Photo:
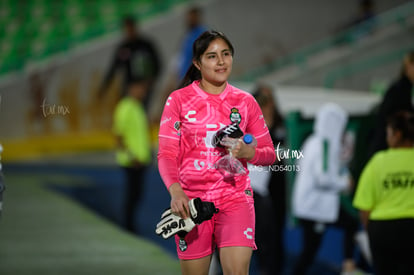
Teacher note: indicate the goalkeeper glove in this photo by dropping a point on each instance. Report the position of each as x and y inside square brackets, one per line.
[172, 224]
[232, 130]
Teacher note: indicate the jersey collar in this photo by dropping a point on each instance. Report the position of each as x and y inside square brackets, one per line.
[205, 95]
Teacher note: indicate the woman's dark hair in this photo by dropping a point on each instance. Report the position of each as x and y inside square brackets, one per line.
[200, 45]
[410, 57]
[263, 99]
[404, 122]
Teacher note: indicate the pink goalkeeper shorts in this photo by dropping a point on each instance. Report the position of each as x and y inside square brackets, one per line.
[233, 225]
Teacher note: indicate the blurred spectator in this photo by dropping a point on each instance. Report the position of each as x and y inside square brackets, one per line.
[317, 189]
[366, 12]
[385, 197]
[398, 97]
[361, 24]
[194, 29]
[133, 145]
[137, 58]
[269, 188]
[184, 57]
[2, 187]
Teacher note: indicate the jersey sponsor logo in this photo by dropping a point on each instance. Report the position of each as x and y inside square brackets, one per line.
[165, 120]
[168, 101]
[264, 122]
[198, 165]
[235, 116]
[211, 131]
[212, 153]
[247, 232]
[190, 113]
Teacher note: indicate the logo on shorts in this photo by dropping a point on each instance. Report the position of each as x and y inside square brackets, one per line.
[247, 231]
[182, 244]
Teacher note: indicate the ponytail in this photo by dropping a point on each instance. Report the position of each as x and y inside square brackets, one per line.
[192, 74]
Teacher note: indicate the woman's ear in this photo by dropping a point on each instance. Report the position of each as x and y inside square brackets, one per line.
[196, 64]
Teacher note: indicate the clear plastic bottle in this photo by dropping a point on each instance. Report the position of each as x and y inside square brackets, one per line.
[249, 139]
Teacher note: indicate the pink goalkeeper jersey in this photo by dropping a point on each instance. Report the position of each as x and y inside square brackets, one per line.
[186, 154]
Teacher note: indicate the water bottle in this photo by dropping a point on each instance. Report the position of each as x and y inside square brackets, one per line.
[250, 140]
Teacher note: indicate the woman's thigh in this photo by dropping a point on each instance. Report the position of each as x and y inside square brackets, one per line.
[235, 259]
[196, 266]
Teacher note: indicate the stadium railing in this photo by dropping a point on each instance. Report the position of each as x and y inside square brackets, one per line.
[397, 15]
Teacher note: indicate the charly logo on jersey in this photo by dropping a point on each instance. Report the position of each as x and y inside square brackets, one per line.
[235, 116]
[190, 113]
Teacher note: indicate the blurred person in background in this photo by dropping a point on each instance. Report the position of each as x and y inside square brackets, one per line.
[130, 127]
[2, 186]
[317, 189]
[183, 59]
[269, 187]
[137, 58]
[398, 97]
[366, 11]
[361, 25]
[195, 28]
[186, 157]
[385, 197]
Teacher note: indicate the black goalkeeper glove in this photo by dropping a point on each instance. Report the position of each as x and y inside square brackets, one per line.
[232, 130]
[172, 224]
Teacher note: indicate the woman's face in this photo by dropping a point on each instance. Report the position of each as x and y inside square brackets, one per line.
[216, 62]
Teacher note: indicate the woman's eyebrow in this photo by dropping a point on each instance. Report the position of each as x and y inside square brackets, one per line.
[225, 50]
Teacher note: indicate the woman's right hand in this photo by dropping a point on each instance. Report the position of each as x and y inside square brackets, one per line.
[179, 201]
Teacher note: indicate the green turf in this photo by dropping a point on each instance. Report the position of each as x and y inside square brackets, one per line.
[43, 232]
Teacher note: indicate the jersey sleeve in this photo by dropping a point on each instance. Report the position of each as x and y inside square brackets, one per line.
[265, 152]
[364, 198]
[169, 141]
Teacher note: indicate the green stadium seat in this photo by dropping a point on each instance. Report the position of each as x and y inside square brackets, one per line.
[35, 29]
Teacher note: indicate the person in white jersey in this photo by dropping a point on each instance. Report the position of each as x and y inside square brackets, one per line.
[204, 104]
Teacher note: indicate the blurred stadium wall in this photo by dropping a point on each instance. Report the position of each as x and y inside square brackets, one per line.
[65, 116]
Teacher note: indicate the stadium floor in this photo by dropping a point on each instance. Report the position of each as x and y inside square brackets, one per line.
[95, 182]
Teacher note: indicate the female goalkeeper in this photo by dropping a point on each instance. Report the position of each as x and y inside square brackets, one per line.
[204, 104]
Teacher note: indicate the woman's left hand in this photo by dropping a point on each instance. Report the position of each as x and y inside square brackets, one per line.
[240, 149]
